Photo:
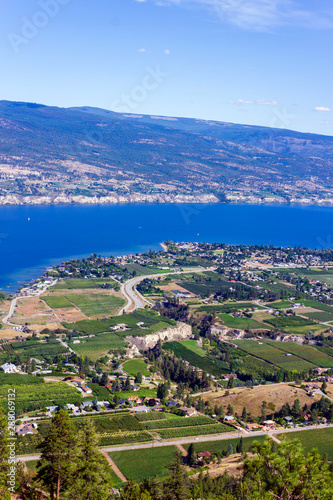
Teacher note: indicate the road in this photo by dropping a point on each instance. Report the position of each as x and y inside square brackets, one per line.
[134, 298]
[198, 439]
[6, 321]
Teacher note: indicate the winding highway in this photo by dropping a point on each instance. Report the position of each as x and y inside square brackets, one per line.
[135, 300]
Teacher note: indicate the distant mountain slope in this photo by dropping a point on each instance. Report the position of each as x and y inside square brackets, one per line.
[57, 154]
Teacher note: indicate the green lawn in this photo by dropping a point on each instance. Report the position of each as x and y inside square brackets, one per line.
[97, 304]
[145, 463]
[286, 321]
[133, 366]
[322, 439]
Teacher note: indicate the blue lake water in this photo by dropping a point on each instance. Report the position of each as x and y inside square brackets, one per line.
[32, 238]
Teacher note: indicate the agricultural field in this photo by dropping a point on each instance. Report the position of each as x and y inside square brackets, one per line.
[287, 321]
[145, 463]
[134, 366]
[222, 445]
[273, 355]
[97, 304]
[32, 397]
[36, 349]
[149, 318]
[280, 304]
[316, 305]
[228, 307]
[243, 323]
[149, 417]
[198, 430]
[97, 347]
[193, 346]
[306, 352]
[57, 302]
[322, 316]
[216, 368]
[321, 439]
[326, 350]
[276, 395]
[155, 425]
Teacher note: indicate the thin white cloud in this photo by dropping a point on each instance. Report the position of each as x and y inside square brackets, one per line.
[142, 50]
[263, 15]
[167, 52]
[322, 108]
[261, 102]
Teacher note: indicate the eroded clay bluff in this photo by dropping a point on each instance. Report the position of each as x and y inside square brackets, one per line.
[180, 332]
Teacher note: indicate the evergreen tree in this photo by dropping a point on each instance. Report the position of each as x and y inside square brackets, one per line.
[244, 414]
[104, 380]
[191, 455]
[138, 378]
[177, 484]
[127, 384]
[59, 452]
[4, 455]
[92, 480]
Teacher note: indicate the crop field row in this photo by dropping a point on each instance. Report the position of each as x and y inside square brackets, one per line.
[229, 307]
[178, 422]
[179, 350]
[97, 347]
[273, 355]
[145, 463]
[31, 397]
[322, 316]
[134, 366]
[149, 318]
[193, 346]
[280, 304]
[326, 350]
[110, 439]
[305, 352]
[39, 349]
[220, 446]
[319, 438]
[148, 417]
[199, 430]
[317, 305]
[285, 321]
[243, 323]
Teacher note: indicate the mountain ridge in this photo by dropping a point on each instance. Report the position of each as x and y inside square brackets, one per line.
[85, 154]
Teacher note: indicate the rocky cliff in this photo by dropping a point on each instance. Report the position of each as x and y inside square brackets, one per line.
[180, 332]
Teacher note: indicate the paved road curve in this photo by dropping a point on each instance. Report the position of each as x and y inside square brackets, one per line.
[137, 301]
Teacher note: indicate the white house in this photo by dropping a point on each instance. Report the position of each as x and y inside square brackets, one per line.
[8, 368]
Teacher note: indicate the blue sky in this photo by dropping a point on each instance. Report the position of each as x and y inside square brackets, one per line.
[262, 62]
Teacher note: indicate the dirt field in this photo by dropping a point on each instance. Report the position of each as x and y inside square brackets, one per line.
[8, 333]
[233, 465]
[33, 311]
[173, 286]
[70, 315]
[252, 398]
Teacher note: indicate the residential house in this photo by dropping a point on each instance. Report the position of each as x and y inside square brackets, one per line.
[189, 411]
[8, 368]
